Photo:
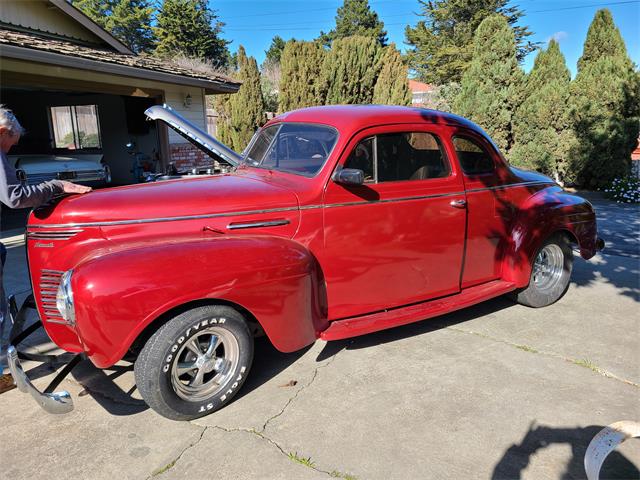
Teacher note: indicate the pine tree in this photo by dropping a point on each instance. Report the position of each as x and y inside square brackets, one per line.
[350, 70]
[442, 43]
[355, 17]
[242, 113]
[274, 52]
[127, 20]
[300, 67]
[542, 131]
[190, 27]
[605, 106]
[392, 86]
[491, 87]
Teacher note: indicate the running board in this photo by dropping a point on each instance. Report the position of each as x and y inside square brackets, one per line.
[353, 327]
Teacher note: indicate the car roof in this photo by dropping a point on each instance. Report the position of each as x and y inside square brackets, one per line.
[356, 117]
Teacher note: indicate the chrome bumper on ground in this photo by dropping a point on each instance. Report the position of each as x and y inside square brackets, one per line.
[57, 402]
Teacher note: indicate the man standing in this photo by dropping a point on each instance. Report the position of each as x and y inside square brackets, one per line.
[14, 194]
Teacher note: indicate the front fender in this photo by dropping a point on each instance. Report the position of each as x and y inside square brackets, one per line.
[119, 294]
[548, 211]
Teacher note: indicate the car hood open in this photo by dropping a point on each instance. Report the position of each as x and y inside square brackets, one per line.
[193, 134]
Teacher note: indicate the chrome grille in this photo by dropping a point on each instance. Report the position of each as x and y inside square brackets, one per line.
[53, 234]
[49, 282]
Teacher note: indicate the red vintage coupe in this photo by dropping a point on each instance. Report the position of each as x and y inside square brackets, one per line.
[335, 222]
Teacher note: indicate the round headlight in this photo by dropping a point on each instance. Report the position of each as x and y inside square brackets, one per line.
[64, 298]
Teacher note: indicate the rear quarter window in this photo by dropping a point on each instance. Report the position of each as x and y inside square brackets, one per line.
[474, 158]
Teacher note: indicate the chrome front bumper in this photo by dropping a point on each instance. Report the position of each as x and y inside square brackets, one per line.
[57, 402]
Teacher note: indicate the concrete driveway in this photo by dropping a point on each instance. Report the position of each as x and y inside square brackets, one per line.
[494, 391]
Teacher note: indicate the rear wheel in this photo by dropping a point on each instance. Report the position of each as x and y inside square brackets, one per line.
[550, 273]
[195, 363]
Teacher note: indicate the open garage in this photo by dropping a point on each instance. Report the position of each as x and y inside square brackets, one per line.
[81, 95]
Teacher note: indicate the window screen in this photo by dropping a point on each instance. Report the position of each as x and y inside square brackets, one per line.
[474, 159]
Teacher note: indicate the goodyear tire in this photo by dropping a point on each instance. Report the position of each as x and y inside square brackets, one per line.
[550, 273]
[195, 363]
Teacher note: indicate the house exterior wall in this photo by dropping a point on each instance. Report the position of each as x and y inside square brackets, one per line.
[64, 78]
[38, 15]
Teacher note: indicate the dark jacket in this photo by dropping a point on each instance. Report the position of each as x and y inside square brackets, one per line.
[14, 194]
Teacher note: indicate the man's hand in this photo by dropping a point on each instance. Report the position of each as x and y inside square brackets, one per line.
[74, 187]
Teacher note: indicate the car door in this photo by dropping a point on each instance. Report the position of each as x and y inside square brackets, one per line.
[489, 211]
[398, 238]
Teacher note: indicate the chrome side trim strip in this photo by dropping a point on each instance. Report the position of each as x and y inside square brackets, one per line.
[165, 219]
[276, 210]
[388, 200]
[268, 223]
[502, 187]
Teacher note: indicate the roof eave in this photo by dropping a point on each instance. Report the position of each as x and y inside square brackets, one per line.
[30, 54]
[90, 25]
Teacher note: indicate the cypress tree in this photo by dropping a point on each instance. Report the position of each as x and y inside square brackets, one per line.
[300, 69]
[243, 112]
[127, 20]
[605, 106]
[190, 27]
[392, 86]
[542, 131]
[442, 42]
[355, 17]
[491, 87]
[350, 70]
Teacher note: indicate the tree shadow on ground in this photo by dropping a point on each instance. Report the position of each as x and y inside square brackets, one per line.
[517, 457]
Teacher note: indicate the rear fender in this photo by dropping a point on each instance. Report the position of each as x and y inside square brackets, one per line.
[549, 211]
[118, 295]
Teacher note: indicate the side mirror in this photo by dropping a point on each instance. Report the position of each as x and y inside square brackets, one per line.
[349, 176]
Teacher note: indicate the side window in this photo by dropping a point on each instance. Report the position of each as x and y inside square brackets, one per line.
[410, 156]
[399, 156]
[362, 158]
[474, 159]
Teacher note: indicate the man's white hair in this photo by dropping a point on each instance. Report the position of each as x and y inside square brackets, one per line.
[9, 121]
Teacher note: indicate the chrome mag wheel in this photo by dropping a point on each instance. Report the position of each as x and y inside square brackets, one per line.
[204, 364]
[548, 267]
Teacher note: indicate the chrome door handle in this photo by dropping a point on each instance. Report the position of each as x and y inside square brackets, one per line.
[458, 203]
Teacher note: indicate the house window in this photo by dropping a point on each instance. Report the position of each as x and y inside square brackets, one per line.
[75, 127]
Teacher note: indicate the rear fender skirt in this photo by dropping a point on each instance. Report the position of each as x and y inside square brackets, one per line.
[548, 211]
[118, 295]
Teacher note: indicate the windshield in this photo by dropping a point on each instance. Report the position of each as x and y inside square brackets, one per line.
[292, 147]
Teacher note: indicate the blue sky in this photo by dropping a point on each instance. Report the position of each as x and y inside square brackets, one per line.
[253, 23]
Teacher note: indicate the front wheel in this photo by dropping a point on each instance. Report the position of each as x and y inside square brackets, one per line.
[550, 273]
[195, 363]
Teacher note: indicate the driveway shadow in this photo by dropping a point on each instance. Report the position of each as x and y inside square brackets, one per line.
[414, 329]
[516, 459]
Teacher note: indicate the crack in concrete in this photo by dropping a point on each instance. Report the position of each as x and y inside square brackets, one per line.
[547, 353]
[172, 463]
[261, 433]
[333, 473]
[304, 387]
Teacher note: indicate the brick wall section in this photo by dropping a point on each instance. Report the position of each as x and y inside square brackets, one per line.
[187, 156]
